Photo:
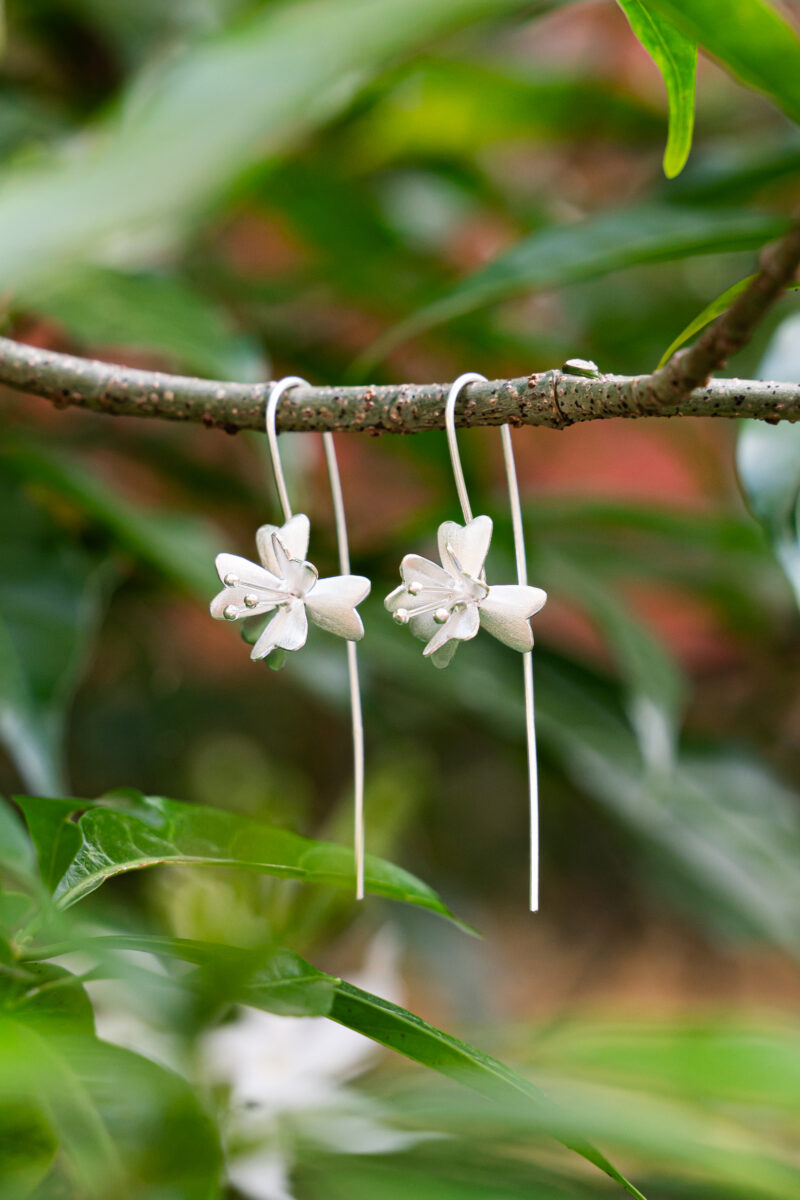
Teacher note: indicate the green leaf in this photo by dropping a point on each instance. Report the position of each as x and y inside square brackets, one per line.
[123, 1125]
[138, 311]
[224, 103]
[713, 310]
[676, 58]
[588, 249]
[127, 831]
[16, 850]
[403, 1031]
[47, 998]
[749, 37]
[268, 977]
[375, 1018]
[50, 604]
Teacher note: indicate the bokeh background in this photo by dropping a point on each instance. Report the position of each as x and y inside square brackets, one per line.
[658, 988]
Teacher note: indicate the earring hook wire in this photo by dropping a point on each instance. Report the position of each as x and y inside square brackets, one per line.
[527, 666]
[337, 497]
[522, 579]
[456, 389]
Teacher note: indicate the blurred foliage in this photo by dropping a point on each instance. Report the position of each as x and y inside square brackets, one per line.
[238, 188]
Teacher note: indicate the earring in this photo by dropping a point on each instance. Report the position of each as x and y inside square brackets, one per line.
[445, 605]
[287, 589]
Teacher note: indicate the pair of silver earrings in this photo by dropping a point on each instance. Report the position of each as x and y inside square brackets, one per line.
[441, 604]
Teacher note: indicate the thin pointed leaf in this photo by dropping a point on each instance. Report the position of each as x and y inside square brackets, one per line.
[405, 1032]
[588, 249]
[713, 310]
[749, 37]
[676, 58]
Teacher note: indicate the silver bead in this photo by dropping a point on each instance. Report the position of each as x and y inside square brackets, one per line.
[230, 580]
[250, 601]
[230, 612]
[441, 616]
[400, 616]
[414, 588]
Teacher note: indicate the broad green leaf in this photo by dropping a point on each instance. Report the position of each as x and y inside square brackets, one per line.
[588, 249]
[375, 1018]
[16, 850]
[268, 977]
[50, 604]
[127, 831]
[179, 546]
[138, 311]
[405, 1032]
[123, 1125]
[676, 58]
[180, 137]
[46, 998]
[28, 1147]
[749, 37]
[709, 314]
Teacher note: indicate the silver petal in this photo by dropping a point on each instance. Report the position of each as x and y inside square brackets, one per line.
[444, 655]
[294, 535]
[469, 544]
[331, 604]
[416, 569]
[299, 576]
[461, 625]
[506, 613]
[235, 596]
[287, 630]
[246, 573]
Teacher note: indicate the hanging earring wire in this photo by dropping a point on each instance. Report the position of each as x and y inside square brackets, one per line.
[527, 665]
[275, 395]
[522, 579]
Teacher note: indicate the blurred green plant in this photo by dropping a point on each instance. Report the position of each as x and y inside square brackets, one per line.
[213, 186]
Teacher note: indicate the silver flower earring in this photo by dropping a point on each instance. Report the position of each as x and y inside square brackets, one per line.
[447, 604]
[287, 589]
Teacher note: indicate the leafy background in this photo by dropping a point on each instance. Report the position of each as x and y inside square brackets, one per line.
[243, 190]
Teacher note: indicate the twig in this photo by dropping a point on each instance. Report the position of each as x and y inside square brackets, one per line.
[691, 368]
[555, 398]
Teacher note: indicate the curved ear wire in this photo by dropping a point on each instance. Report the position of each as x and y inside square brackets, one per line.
[527, 665]
[522, 580]
[275, 394]
[456, 389]
[344, 565]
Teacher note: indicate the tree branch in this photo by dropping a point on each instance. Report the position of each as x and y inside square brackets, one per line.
[552, 398]
[690, 369]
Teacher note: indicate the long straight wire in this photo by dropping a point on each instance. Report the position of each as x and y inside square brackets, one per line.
[527, 665]
[352, 669]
